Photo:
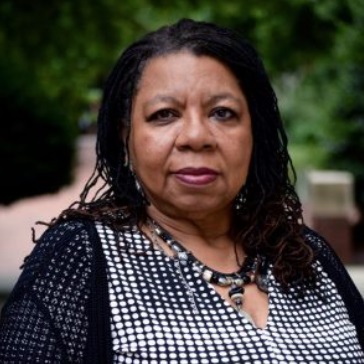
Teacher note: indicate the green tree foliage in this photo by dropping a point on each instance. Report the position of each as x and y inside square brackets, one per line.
[323, 102]
[53, 52]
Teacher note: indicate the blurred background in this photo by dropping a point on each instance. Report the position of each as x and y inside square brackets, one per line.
[55, 56]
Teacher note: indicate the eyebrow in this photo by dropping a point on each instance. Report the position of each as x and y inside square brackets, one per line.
[162, 98]
[212, 100]
[224, 96]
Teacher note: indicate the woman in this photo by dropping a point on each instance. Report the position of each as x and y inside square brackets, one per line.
[194, 251]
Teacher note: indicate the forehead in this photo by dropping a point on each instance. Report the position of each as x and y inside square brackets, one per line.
[176, 71]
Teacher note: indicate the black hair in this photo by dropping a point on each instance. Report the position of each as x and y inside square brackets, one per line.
[271, 220]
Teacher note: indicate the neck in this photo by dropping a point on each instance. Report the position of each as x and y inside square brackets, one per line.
[208, 240]
[211, 230]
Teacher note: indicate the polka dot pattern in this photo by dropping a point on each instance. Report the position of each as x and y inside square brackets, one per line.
[164, 313]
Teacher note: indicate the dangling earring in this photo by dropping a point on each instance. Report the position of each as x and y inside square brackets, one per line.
[240, 200]
[138, 186]
[126, 160]
[126, 157]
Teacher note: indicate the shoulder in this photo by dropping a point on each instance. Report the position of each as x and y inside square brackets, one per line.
[65, 237]
[332, 265]
[323, 250]
[324, 253]
[315, 240]
[64, 233]
[65, 247]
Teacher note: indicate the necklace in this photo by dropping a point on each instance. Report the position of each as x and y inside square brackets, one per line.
[253, 270]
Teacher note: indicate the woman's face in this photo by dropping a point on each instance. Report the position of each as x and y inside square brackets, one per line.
[190, 140]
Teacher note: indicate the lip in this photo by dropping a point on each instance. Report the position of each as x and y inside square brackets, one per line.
[196, 176]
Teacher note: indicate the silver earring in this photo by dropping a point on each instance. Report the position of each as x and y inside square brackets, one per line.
[140, 190]
[240, 200]
[138, 186]
[126, 158]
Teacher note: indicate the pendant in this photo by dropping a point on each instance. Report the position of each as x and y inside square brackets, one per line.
[236, 294]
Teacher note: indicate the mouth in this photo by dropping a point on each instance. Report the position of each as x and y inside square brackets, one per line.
[196, 176]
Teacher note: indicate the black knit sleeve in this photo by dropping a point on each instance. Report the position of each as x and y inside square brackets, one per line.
[46, 317]
[337, 272]
[26, 335]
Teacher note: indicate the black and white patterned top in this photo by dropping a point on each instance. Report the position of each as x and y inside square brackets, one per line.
[163, 312]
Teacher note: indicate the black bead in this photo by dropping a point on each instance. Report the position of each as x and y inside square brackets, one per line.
[236, 290]
[165, 236]
[246, 279]
[214, 278]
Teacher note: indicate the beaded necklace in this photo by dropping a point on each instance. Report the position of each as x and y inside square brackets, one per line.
[253, 270]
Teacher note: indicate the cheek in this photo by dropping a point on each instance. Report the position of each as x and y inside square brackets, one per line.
[241, 147]
[241, 155]
[150, 153]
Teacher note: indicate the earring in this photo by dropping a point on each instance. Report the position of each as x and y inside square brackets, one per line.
[138, 186]
[126, 158]
[240, 200]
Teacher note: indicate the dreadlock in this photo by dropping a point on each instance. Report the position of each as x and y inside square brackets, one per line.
[271, 220]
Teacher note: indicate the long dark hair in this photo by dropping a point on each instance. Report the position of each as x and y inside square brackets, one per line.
[271, 220]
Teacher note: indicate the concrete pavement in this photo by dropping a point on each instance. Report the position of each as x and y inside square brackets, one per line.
[17, 219]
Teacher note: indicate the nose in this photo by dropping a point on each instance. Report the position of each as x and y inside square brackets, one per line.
[195, 134]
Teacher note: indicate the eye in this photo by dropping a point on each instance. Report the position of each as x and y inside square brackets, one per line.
[223, 114]
[163, 115]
